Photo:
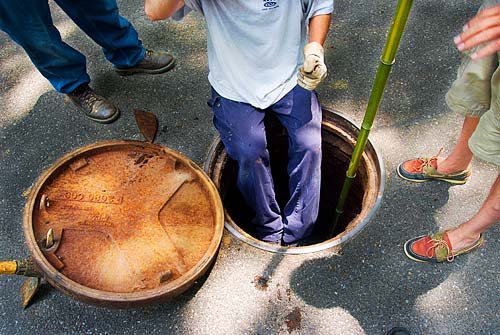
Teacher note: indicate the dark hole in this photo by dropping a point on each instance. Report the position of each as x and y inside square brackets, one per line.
[335, 161]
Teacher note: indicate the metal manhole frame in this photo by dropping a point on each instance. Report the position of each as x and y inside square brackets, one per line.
[340, 239]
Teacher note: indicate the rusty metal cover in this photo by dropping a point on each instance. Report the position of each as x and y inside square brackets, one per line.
[123, 223]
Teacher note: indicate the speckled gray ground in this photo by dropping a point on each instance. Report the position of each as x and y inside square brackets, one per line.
[368, 289]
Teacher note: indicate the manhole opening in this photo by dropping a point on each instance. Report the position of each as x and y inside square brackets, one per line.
[336, 152]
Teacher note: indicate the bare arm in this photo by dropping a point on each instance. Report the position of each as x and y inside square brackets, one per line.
[161, 9]
[482, 28]
[318, 28]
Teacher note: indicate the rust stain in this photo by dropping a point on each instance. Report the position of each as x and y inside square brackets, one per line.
[147, 123]
[261, 283]
[289, 294]
[294, 319]
[143, 159]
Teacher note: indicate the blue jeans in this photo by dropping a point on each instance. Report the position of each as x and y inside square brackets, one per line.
[241, 127]
[28, 23]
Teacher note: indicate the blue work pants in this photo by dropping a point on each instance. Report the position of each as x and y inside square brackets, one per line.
[241, 127]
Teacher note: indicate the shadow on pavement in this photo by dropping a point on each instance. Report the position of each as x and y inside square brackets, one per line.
[373, 278]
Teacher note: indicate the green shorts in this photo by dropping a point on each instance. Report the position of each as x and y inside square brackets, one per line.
[485, 142]
[476, 93]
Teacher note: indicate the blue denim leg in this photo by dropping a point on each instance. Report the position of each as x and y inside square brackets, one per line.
[29, 24]
[300, 113]
[101, 21]
[241, 128]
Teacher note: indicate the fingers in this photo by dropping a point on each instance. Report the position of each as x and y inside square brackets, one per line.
[310, 64]
[484, 14]
[483, 28]
[320, 71]
[487, 35]
[310, 81]
[306, 82]
[481, 25]
[489, 49]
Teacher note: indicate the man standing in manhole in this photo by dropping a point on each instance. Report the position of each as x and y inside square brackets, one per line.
[266, 56]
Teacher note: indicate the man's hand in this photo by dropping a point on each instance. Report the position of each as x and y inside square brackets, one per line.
[314, 69]
[483, 28]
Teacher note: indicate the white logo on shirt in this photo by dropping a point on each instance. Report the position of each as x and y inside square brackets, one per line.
[270, 4]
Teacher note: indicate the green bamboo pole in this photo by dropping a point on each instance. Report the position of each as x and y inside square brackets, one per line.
[386, 61]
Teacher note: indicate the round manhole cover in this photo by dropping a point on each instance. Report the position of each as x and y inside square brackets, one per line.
[123, 223]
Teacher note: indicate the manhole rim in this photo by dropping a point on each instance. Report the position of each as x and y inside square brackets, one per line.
[239, 233]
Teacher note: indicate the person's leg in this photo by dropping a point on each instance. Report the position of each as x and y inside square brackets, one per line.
[461, 156]
[489, 214]
[300, 113]
[100, 20]
[121, 45]
[485, 144]
[241, 128]
[30, 25]
[467, 237]
[469, 96]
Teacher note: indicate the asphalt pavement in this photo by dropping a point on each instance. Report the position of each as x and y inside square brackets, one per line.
[370, 287]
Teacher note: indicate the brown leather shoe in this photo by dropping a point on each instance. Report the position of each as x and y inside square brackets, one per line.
[94, 106]
[154, 62]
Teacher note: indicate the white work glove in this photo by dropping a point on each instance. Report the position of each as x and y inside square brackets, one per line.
[314, 69]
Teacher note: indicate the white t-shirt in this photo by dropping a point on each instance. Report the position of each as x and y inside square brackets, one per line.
[255, 46]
